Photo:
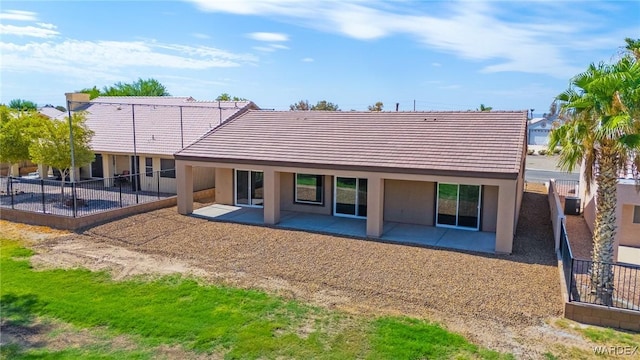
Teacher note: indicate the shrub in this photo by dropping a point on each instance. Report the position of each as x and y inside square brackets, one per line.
[531, 152]
[556, 151]
[542, 152]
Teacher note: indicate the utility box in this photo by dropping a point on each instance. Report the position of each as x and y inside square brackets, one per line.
[572, 205]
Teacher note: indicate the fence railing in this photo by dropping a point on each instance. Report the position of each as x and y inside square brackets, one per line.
[567, 187]
[84, 197]
[578, 274]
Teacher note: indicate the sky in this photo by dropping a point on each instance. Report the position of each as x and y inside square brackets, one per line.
[422, 55]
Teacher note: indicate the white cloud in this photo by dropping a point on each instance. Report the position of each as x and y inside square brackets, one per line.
[264, 48]
[201, 36]
[481, 31]
[279, 46]
[47, 25]
[308, 59]
[103, 59]
[268, 36]
[32, 31]
[435, 64]
[18, 15]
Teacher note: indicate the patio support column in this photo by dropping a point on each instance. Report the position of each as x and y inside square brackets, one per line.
[271, 197]
[14, 170]
[375, 206]
[107, 169]
[184, 180]
[506, 216]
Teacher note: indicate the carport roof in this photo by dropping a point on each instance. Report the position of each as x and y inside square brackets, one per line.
[469, 143]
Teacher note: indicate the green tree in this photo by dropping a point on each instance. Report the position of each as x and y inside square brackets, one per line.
[53, 147]
[17, 131]
[141, 87]
[302, 105]
[61, 108]
[323, 105]
[23, 105]
[93, 92]
[602, 130]
[484, 108]
[376, 107]
[227, 97]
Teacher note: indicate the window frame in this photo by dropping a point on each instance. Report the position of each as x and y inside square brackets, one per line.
[164, 172]
[636, 214]
[319, 178]
[148, 168]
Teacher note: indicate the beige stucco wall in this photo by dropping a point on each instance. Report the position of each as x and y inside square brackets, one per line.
[287, 194]
[629, 232]
[410, 202]
[224, 186]
[489, 212]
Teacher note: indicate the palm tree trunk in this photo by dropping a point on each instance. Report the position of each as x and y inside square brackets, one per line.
[605, 226]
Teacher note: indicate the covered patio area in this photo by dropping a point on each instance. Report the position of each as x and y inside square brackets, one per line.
[394, 232]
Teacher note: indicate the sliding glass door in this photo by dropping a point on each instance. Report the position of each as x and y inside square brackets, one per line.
[350, 197]
[458, 206]
[249, 188]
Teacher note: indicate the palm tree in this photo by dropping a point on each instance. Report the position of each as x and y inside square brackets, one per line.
[602, 130]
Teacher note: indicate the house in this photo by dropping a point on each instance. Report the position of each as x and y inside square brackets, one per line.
[627, 215]
[538, 129]
[139, 135]
[460, 170]
[51, 112]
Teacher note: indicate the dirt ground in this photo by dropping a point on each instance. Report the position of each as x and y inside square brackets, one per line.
[506, 303]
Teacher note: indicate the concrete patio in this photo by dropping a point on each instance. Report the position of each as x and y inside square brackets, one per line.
[411, 234]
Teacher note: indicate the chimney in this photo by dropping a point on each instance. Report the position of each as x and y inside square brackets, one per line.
[76, 100]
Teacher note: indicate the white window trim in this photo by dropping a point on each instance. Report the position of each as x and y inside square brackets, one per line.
[477, 228]
[335, 197]
[235, 189]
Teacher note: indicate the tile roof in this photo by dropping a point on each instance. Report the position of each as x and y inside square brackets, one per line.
[51, 112]
[158, 126]
[417, 142]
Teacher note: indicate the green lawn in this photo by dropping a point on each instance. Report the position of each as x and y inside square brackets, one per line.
[178, 311]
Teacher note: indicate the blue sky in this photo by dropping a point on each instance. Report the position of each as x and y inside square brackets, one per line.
[445, 55]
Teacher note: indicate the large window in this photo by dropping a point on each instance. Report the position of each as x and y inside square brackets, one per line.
[148, 167]
[168, 168]
[350, 197]
[309, 189]
[636, 214]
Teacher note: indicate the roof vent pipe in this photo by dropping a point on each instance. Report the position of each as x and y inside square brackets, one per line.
[397, 106]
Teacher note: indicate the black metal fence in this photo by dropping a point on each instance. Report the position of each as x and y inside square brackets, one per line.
[87, 196]
[578, 273]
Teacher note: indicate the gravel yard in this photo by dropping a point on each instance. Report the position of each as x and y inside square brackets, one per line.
[500, 301]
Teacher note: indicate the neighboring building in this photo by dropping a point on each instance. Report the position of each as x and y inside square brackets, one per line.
[460, 170]
[163, 125]
[538, 129]
[51, 112]
[627, 210]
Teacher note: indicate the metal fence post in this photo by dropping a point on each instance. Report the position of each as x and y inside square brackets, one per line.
[158, 177]
[11, 189]
[120, 187]
[44, 206]
[74, 198]
[569, 291]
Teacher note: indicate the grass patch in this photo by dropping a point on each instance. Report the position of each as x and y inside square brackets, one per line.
[239, 323]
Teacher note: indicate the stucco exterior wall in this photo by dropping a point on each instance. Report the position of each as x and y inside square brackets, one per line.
[410, 202]
[287, 196]
[489, 213]
[224, 187]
